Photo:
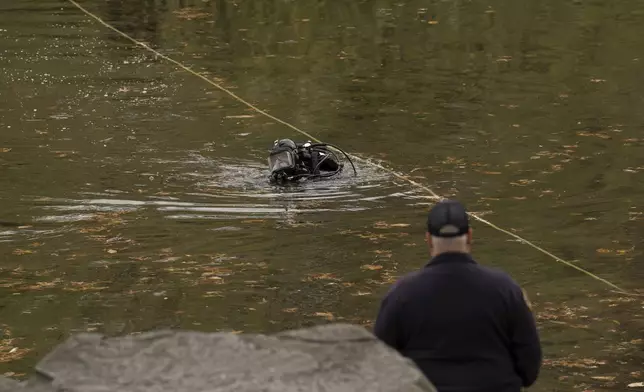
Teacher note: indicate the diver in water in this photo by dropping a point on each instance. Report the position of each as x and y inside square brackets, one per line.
[289, 161]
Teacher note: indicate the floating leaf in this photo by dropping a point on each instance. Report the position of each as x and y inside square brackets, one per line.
[5, 149]
[191, 13]
[582, 363]
[85, 286]
[371, 267]
[321, 276]
[599, 135]
[385, 225]
[21, 252]
[603, 378]
[211, 294]
[327, 315]
[383, 253]
[8, 350]
[241, 116]
[112, 251]
[372, 236]
[636, 385]
[289, 310]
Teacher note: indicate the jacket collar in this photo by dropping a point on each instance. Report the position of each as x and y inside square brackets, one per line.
[450, 257]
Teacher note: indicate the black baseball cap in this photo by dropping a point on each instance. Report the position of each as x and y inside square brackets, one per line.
[448, 218]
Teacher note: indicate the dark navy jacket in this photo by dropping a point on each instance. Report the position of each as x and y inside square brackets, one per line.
[466, 326]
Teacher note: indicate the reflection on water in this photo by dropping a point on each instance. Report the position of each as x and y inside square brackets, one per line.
[137, 18]
[135, 196]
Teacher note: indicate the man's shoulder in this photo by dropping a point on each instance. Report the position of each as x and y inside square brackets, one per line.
[506, 285]
[498, 276]
[403, 282]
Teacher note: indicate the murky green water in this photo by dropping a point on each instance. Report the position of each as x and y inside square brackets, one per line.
[134, 194]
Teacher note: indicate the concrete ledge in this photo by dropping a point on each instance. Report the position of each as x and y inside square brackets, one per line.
[327, 358]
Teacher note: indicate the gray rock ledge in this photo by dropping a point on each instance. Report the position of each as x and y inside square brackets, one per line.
[327, 358]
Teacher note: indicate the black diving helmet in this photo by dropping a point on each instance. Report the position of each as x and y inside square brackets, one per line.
[282, 160]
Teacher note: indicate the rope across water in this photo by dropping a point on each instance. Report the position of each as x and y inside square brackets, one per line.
[313, 138]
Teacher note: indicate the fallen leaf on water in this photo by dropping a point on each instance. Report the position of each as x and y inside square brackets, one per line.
[5, 149]
[20, 252]
[210, 294]
[289, 310]
[602, 250]
[321, 276]
[603, 378]
[583, 363]
[111, 251]
[140, 258]
[599, 135]
[9, 352]
[13, 374]
[361, 293]
[383, 253]
[372, 236]
[385, 225]
[371, 267]
[191, 13]
[241, 116]
[636, 385]
[85, 286]
[329, 316]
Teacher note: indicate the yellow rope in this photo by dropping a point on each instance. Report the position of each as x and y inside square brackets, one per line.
[311, 137]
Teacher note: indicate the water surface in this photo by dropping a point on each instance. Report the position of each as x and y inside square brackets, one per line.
[134, 194]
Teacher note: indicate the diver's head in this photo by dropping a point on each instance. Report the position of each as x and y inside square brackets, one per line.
[283, 159]
[285, 143]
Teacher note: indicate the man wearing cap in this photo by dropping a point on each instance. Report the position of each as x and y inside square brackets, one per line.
[468, 327]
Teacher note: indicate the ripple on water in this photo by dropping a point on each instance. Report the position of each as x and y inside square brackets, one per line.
[225, 189]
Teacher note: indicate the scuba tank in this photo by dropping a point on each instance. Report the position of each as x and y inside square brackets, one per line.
[290, 161]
